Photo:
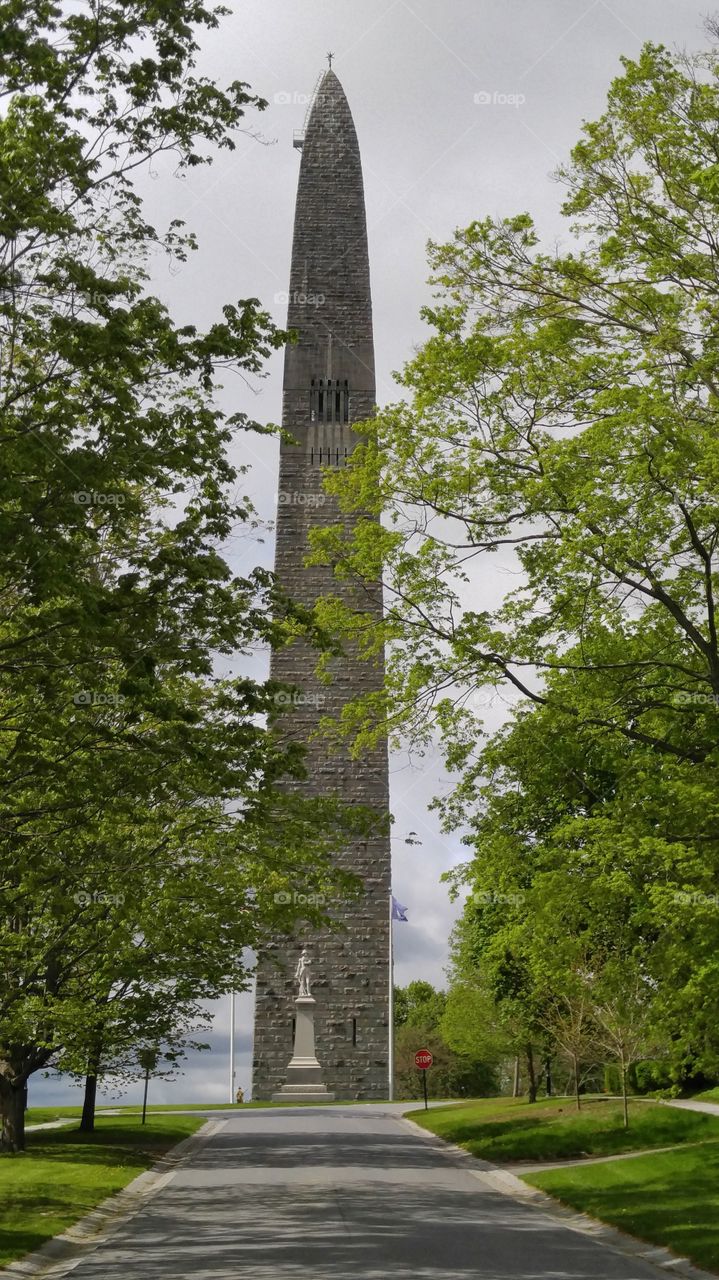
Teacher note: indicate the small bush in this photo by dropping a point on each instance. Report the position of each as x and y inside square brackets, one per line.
[653, 1075]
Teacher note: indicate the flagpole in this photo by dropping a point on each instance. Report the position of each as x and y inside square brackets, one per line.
[390, 1064]
[232, 1046]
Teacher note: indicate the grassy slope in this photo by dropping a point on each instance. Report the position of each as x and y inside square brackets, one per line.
[242, 1106]
[506, 1129]
[44, 1115]
[41, 1115]
[671, 1198]
[63, 1174]
[222, 1106]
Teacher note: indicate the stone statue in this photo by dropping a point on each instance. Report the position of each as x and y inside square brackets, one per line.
[304, 1073]
[302, 973]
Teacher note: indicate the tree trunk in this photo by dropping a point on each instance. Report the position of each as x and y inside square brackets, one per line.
[575, 1065]
[515, 1086]
[532, 1078]
[147, 1081]
[12, 1103]
[625, 1099]
[548, 1076]
[87, 1123]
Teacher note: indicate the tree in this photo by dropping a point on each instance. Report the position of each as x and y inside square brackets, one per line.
[122, 1065]
[493, 997]
[419, 1010]
[143, 797]
[89, 968]
[418, 1004]
[563, 415]
[570, 874]
[474, 1025]
[623, 1012]
[115, 490]
[570, 1026]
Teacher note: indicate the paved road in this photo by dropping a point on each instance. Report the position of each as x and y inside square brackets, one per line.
[341, 1194]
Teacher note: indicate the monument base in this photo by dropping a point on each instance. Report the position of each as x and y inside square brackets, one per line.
[304, 1073]
[301, 1093]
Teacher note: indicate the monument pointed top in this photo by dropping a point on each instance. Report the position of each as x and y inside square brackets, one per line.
[327, 99]
[329, 110]
[329, 251]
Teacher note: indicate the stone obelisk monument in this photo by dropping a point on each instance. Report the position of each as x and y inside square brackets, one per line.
[329, 384]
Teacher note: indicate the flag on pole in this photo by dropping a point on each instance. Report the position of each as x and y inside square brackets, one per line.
[396, 912]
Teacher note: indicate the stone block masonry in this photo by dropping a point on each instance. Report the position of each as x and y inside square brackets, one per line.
[329, 383]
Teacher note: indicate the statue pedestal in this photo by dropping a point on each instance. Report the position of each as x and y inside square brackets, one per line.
[304, 1073]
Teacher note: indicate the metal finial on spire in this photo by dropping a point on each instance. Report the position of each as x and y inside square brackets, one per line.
[330, 56]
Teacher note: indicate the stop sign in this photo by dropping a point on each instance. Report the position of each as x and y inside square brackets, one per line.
[423, 1059]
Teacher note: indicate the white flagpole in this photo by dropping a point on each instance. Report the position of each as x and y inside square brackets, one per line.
[232, 1046]
[390, 1064]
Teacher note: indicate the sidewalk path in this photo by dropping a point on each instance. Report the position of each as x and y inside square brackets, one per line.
[694, 1104]
[542, 1166]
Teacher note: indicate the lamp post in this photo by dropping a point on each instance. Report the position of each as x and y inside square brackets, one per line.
[232, 1046]
[390, 1064]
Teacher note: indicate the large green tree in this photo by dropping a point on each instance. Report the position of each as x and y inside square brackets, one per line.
[143, 797]
[593, 857]
[563, 418]
[562, 424]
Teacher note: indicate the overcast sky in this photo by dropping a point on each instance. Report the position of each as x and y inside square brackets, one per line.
[463, 108]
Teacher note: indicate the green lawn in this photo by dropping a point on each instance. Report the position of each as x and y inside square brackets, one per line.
[709, 1095]
[671, 1198]
[242, 1106]
[184, 1106]
[221, 1106]
[506, 1129]
[42, 1115]
[64, 1173]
